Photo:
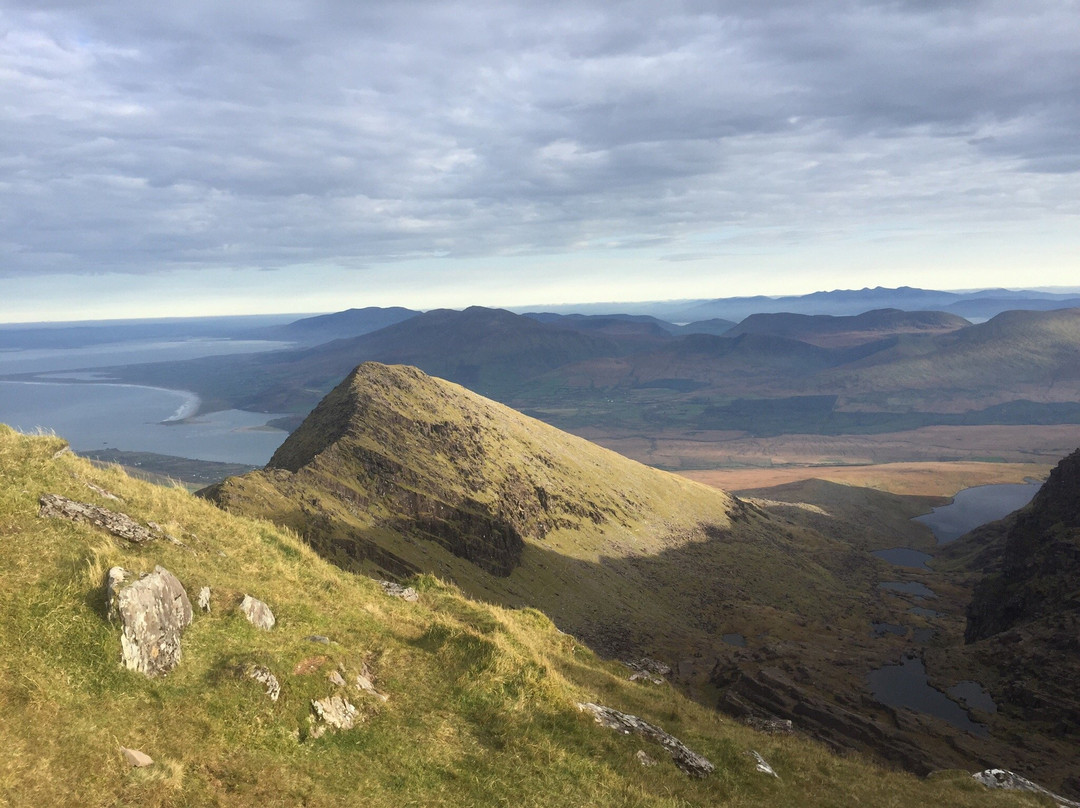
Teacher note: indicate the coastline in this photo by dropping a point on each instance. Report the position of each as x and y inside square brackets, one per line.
[189, 407]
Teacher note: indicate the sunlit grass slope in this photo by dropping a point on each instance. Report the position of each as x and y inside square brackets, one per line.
[481, 707]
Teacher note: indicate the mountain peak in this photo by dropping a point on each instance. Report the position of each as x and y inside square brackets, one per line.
[391, 448]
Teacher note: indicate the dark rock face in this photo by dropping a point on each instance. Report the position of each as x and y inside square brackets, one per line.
[1024, 618]
[769, 700]
[153, 612]
[1040, 567]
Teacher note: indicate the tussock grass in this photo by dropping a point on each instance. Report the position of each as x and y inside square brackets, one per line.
[481, 707]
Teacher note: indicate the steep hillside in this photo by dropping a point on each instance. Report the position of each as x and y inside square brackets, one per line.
[750, 362]
[1039, 572]
[398, 472]
[839, 331]
[480, 702]
[1024, 618]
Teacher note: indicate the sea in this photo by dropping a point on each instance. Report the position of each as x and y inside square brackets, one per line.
[93, 413]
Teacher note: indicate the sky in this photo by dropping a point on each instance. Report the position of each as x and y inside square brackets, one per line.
[291, 155]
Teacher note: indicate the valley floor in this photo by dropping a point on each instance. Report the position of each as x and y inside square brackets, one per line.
[924, 479]
[699, 451]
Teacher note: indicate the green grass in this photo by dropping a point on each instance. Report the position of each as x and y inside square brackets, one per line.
[481, 706]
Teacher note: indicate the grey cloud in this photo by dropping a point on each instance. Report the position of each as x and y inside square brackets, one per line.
[275, 133]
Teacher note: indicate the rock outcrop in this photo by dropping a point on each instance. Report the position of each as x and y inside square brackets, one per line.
[333, 712]
[119, 524]
[153, 612]
[1009, 781]
[648, 670]
[642, 757]
[406, 593]
[689, 761]
[263, 676]
[365, 682]
[761, 765]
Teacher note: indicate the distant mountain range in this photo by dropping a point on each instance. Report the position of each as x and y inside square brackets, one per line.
[882, 370]
[979, 305]
[830, 331]
[338, 325]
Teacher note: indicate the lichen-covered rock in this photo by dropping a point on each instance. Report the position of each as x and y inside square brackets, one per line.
[648, 670]
[257, 613]
[263, 676]
[762, 766]
[118, 524]
[335, 678]
[333, 712]
[364, 683]
[1005, 779]
[689, 761]
[204, 599]
[770, 726]
[115, 579]
[643, 758]
[406, 593]
[153, 611]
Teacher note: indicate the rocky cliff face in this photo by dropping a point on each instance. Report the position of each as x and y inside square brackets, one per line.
[1039, 575]
[1024, 618]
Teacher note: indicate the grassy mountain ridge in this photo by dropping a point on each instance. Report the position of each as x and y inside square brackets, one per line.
[392, 451]
[395, 467]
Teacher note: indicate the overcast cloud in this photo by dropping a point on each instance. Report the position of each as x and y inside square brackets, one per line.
[142, 138]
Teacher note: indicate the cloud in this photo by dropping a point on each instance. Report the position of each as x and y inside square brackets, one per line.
[275, 134]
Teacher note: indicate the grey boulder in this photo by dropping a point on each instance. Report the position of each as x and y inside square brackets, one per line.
[257, 613]
[153, 612]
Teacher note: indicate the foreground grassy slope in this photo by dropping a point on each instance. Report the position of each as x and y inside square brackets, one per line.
[481, 707]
